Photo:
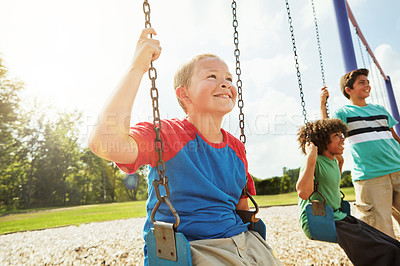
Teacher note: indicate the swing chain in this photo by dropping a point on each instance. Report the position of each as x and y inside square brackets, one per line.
[318, 43]
[317, 191]
[303, 103]
[158, 143]
[321, 64]
[360, 47]
[238, 73]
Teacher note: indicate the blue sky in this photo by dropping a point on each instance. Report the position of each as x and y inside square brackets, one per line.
[72, 54]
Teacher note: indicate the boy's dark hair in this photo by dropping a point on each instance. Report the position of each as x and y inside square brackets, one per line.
[319, 132]
[348, 79]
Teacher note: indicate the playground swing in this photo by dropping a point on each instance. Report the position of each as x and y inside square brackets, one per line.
[320, 218]
[165, 245]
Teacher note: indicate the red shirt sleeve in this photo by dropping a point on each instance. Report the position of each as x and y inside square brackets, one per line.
[144, 135]
[250, 185]
[174, 135]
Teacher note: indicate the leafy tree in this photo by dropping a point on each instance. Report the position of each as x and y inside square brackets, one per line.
[50, 153]
[30, 135]
[293, 175]
[346, 180]
[9, 107]
[91, 177]
[268, 186]
[103, 181]
[286, 184]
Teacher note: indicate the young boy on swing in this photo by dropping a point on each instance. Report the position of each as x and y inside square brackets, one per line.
[321, 141]
[206, 167]
[376, 152]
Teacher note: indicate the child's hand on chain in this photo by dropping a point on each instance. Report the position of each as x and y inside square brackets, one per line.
[147, 50]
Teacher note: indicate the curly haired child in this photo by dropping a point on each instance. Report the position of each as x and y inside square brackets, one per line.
[321, 141]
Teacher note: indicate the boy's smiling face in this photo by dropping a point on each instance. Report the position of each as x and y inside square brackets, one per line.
[211, 89]
[336, 146]
[361, 88]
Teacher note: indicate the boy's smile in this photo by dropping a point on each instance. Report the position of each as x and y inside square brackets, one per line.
[223, 96]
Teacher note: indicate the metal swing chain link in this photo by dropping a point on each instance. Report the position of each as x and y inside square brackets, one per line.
[303, 104]
[318, 43]
[158, 142]
[319, 52]
[159, 145]
[360, 47]
[238, 73]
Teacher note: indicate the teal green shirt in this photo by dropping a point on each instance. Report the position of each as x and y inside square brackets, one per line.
[374, 150]
[327, 174]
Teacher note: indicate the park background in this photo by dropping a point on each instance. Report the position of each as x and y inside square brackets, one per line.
[61, 59]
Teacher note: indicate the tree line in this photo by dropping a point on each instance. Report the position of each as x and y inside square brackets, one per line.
[287, 182]
[43, 162]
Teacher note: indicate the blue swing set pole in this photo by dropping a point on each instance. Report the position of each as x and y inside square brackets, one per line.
[343, 14]
[393, 104]
[349, 57]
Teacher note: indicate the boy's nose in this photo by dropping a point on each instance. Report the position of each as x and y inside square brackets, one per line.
[225, 85]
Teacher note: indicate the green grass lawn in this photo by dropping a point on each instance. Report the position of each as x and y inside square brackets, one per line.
[56, 217]
[42, 219]
[291, 198]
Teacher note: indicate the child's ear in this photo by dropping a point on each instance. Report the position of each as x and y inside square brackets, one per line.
[347, 90]
[181, 93]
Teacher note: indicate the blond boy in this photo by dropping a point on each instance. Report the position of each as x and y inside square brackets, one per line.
[206, 166]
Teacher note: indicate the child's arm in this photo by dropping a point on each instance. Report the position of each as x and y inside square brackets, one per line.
[324, 98]
[243, 204]
[340, 161]
[305, 184]
[395, 136]
[110, 138]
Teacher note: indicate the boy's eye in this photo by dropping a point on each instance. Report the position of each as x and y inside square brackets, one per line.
[229, 79]
[340, 135]
[212, 76]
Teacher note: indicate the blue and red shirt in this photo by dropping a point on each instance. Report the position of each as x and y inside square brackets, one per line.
[205, 179]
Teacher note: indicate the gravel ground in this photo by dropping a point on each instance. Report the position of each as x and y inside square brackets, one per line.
[120, 243]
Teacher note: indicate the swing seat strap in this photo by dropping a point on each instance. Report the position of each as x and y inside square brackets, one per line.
[167, 247]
